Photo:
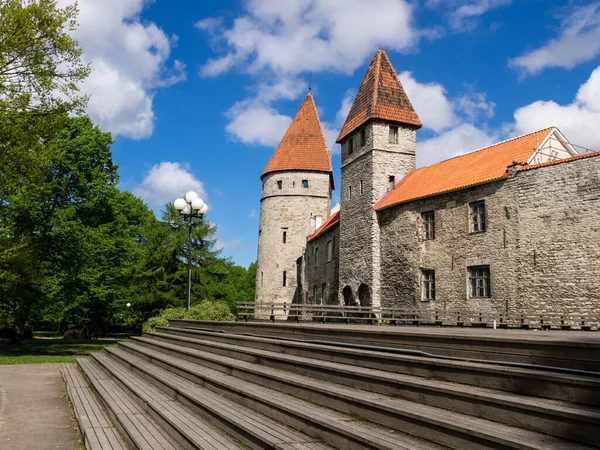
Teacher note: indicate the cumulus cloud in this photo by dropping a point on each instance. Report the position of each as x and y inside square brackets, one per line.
[253, 122]
[310, 35]
[578, 120]
[129, 58]
[331, 130]
[578, 41]
[167, 181]
[464, 14]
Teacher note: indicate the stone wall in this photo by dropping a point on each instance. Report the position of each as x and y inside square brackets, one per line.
[365, 179]
[324, 271]
[287, 209]
[542, 244]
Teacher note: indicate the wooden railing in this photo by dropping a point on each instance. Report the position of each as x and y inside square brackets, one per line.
[417, 317]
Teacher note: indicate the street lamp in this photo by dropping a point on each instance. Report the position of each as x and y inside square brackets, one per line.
[190, 207]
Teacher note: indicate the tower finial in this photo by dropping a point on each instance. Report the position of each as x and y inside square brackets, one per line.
[310, 83]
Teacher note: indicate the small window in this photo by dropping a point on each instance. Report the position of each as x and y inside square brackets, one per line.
[323, 293]
[305, 184]
[317, 257]
[393, 135]
[363, 137]
[259, 231]
[284, 278]
[428, 284]
[279, 184]
[349, 192]
[479, 282]
[261, 279]
[361, 187]
[428, 225]
[477, 215]
[329, 250]
[285, 237]
[391, 182]
[350, 146]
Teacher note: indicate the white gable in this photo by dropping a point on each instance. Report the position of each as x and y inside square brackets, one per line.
[554, 147]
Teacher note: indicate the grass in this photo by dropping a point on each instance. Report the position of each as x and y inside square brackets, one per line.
[48, 347]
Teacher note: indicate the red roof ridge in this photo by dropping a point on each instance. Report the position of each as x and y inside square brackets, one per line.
[329, 223]
[303, 146]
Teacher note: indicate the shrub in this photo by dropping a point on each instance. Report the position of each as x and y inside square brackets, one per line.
[206, 310]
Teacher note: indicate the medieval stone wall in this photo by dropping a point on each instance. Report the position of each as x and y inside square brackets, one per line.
[322, 274]
[287, 209]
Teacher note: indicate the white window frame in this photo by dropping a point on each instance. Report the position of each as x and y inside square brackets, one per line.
[479, 282]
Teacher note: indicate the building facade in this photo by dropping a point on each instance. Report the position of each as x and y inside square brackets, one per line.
[508, 228]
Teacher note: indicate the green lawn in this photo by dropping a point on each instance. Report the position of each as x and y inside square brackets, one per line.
[46, 348]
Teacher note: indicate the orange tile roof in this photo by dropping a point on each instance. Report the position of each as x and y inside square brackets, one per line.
[478, 167]
[333, 220]
[380, 96]
[303, 146]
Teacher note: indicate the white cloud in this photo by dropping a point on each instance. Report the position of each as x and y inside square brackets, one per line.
[335, 208]
[430, 102]
[252, 122]
[310, 35]
[167, 181]
[252, 214]
[578, 41]
[129, 59]
[331, 130]
[228, 245]
[457, 141]
[464, 14]
[578, 120]
[475, 106]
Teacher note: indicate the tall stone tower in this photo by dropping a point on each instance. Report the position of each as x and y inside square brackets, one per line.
[296, 194]
[378, 150]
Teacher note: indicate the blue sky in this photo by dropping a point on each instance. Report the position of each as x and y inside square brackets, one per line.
[197, 94]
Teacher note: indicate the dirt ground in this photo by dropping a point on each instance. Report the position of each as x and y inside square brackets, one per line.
[34, 409]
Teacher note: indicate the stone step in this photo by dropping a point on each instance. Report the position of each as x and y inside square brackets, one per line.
[249, 428]
[528, 381]
[95, 426]
[193, 383]
[575, 349]
[444, 427]
[140, 431]
[268, 368]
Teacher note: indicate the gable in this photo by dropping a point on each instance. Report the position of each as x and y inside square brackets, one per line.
[553, 148]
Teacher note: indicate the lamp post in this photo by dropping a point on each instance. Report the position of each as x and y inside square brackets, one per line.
[191, 206]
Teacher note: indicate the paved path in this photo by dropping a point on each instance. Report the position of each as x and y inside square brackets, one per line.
[34, 411]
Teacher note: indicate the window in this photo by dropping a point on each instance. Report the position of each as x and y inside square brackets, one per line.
[428, 284]
[305, 184]
[428, 225]
[261, 279]
[477, 216]
[323, 292]
[363, 137]
[350, 146]
[329, 250]
[361, 187]
[391, 182]
[284, 278]
[285, 237]
[317, 257]
[479, 282]
[393, 135]
[349, 192]
[279, 184]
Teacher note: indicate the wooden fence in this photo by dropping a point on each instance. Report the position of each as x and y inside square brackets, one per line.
[417, 317]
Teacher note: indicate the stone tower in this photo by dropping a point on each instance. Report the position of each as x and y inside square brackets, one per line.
[378, 150]
[296, 195]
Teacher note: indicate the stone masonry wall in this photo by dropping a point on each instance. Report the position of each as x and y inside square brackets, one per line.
[367, 172]
[288, 209]
[317, 273]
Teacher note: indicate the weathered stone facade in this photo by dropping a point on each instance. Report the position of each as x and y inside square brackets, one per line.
[321, 268]
[288, 210]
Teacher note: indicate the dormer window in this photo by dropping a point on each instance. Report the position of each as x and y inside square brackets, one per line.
[363, 137]
[393, 135]
[350, 146]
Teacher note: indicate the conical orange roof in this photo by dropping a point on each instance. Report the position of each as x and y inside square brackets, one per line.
[303, 146]
[381, 96]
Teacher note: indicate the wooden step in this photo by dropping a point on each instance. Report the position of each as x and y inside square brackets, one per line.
[339, 430]
[250, 428]
[95, 426]
[546, 416]
[444, 427]
[529, 381]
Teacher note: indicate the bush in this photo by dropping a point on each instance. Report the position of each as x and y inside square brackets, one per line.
[206, 310]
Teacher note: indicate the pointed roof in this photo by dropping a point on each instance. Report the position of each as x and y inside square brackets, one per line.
[381, 96]
[303, 146]
[479, 167]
